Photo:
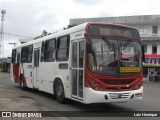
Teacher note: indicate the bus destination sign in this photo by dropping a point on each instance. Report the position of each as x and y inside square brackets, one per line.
[113, 31]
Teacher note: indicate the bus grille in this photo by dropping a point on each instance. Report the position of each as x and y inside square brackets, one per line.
[119, 95]
[119, 82]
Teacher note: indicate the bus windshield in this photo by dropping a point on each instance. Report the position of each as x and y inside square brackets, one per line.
[110, 57]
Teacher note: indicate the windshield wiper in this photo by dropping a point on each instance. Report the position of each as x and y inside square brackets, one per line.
[105, 39]
[126, 44]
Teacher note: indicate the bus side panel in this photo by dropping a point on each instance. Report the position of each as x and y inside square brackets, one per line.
[28, 74]
[63, 74]
[11, 73]
[16, 72]
[46, 76]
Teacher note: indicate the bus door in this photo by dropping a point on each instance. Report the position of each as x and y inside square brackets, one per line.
[36, 67]
[77, 69]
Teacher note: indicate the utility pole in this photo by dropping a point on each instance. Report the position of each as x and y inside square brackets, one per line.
[3, 12]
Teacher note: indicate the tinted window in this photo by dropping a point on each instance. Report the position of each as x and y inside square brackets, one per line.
[30, 52]
[24, 54]
[18, 58]
[42, 52]
[63, 48]
[14, 56]
[74, 55]
[81, 53]
[49, 51]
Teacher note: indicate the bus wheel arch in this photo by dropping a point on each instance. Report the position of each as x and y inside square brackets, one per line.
[59, 90]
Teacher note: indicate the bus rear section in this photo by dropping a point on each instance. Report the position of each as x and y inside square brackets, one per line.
[113, 64]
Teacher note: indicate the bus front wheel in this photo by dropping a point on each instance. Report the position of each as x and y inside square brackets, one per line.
[60, 92]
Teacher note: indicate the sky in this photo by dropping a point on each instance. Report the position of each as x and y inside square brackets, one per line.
[30, 17]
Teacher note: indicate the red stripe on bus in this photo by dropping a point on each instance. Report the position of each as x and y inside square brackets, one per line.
[16, 72]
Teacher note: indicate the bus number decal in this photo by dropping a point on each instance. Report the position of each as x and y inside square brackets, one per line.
[97, 68]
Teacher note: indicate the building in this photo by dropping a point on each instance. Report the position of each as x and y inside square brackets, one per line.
[149, 29]
[5, 64]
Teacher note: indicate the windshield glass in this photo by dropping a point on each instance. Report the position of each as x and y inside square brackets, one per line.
[110, 57]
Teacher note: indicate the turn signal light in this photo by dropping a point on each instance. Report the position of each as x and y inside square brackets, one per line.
[138, 94]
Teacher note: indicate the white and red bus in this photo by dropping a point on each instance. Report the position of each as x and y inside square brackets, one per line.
[89, 63]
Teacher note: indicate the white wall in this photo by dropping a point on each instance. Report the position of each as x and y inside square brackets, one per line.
[149, 34]
[158, 49]
[149, 49]
[149, 30]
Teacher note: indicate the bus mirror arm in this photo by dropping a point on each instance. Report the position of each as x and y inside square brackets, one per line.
[86, 35]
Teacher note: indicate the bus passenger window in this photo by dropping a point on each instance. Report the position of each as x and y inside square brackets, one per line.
[18, 58]
[63, 48]
[74, 55]
[49, 51]
[42, 52]
[24, 54]
[30, 53]
[14, 52]
[81, 53]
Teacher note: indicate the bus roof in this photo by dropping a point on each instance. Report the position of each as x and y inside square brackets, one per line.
[81, 27]
[55, 35]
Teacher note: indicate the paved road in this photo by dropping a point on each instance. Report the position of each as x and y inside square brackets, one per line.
[150, 102]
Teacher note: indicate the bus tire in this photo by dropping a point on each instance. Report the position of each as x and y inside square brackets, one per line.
[22, 82]
[59, 92]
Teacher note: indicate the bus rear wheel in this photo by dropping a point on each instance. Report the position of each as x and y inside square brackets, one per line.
[60, 92]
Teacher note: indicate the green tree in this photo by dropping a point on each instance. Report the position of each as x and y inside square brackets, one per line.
[44, 33]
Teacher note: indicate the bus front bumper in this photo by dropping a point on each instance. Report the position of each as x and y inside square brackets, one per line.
[92, 96]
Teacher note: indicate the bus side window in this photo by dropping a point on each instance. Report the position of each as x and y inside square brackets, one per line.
[18, 58]
[42, 52]
[81, 53]
[49, 51]
[14, 52]
[24, 54]
[62, 53]
[30, 53]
